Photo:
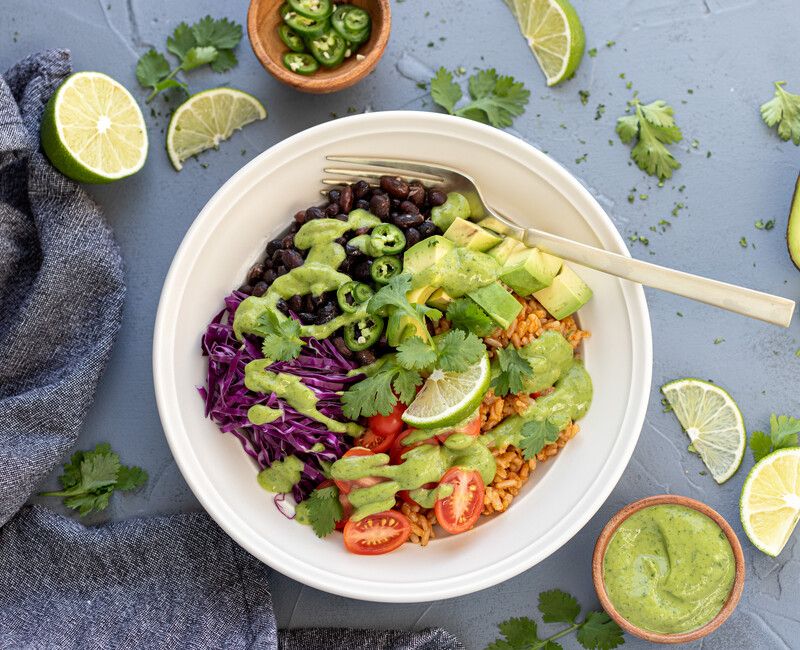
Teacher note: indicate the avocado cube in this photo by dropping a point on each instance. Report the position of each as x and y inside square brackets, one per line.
[470, 235]
[497, 302]
[565, 295]
[440, 299]
[455, 206]
[505, 249]
[426, 253]
[530, 270]
[420, 295]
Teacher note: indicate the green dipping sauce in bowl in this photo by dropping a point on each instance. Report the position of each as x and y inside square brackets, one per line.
[668, 569]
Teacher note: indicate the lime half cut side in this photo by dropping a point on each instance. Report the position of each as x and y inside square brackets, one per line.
[448, 397]
[206, 119]
[713, 423]
[92, 129]
[554, 34]
[770, 503]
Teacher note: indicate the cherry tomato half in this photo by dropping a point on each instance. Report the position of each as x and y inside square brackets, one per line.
[347, 507]
[377, 534]
[346, 486]
[388, 425]
[398, 448]
[459, 512]
[375, 443]
[405, 495]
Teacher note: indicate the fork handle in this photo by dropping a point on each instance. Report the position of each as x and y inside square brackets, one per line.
[748, 302]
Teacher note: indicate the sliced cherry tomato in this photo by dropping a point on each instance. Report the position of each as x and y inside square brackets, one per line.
[388, 425]
[347, 507]
[377, 534]
[346, 486]
[459, 512]
[405, 495]
[375, 443]
[472, 428]
[398, 448]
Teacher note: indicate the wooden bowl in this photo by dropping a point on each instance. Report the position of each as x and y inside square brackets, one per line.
[656, 637]
[263, 19]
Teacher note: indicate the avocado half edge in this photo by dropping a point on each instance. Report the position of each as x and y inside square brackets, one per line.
[793, 228]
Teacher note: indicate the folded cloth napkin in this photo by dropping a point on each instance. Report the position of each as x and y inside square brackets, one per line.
[164, 582]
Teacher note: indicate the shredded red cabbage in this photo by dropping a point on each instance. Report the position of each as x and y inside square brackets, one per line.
[322, 368]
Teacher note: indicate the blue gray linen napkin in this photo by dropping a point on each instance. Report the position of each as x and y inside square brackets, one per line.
[163, 582]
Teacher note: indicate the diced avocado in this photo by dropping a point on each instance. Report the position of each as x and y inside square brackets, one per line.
[530, 270]
[793, 229]
[426, 253]
[440, 299]
[506, 248]
[455, 206]
[470, 235]
[565, 295]
[420, 295]
[497, 302]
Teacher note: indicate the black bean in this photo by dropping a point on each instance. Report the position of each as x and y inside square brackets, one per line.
[246, 288]
[344, 267]
[306, 318]
[341, 217]
[300, 216]
[281, 304]
[325, 313]
[360, 189]
[395, 187]
[352, 252]
[436, 197]
[314, 213]
[408, 220]
[416, 193]
[379, 206]
[281, 270]
[341, 346]
[260, 288]
[273, 246]
[333, 196]
[268, 263]
[295, 303]
[393, 215]
[293, 228]
[395, 204]
[318, 301]
[269, 276]
[292, 259]
[364, 357]
[426, 228]
[340, 240]
[361, 204]
[332, 210]
[346, 199]
[412, 237]
[361, 271]
[408, 207]
[362, 231]
[255, 273]
[287, 241]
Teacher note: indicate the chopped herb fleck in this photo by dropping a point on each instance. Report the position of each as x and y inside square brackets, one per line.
[695, 143]
[717, 341]
[584, 95]
[599, 111]
[592, 52]
[679, 313]
[666, 406]
[581, 159]
[610, 43]
[743, 242]
[765, 225]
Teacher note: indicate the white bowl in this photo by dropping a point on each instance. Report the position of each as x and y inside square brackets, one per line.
[231, 232]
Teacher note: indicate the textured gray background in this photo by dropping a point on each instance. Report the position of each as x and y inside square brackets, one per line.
[714, 60]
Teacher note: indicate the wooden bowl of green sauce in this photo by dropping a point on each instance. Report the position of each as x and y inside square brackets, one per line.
[668, 569]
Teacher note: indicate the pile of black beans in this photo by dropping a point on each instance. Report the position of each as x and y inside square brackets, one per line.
[407, 205]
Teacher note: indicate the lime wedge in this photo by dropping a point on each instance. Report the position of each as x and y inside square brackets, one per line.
[770, 503]
[555, 36]
[92, 129]
[448, 397]
[713, 423]
[206, 119]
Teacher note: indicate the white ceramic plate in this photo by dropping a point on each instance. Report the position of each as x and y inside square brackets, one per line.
[229, 235]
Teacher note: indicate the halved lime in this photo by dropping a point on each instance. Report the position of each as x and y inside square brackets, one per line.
[448, 397]
[92, 129]
[713, 423]
[206, 119]
[770, 503]
[555, 35]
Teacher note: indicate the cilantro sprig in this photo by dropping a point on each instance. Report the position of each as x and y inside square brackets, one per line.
[535, 435]
[783, 111]
[390, 300]
[653, 126]
[465, 314]
[324, 509]
[282, 340]
[595, 632]
[91, 477]
[494, 99]
[783, 433]
[513, 370]
[209, 41]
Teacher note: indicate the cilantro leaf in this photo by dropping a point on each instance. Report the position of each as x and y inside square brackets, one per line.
[405, 385]
[225, 61]
[599, 632]
[324, 510]
[458, 351]
[519, 632]
[221, 33]
[391, 299]
[783, 431]
[282, 340]
[181, 41]
[535, 435]
[513, 369]
[558, 606]
[415, 354]
[495, 99]
[374, 394]
[783, 110]
[152, 68]
[198, 56]
[760, 445]
[130, 478]
[654, 127]
[465, 314]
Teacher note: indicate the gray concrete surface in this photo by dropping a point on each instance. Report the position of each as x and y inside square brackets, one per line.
[713, 60]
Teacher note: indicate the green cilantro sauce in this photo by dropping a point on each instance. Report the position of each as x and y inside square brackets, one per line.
[669, 569]
[282, 475]
[260, 414]
[460, 271]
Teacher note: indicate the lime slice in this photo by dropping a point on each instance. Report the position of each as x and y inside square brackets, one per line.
[770, 503]
[92, 129]
[448, 397]
[555, 36]
[206, 119]
[713, 423]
